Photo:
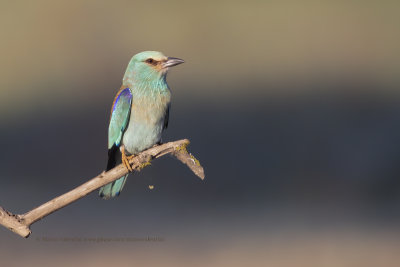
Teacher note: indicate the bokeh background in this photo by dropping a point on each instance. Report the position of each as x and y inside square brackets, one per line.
[292, 107]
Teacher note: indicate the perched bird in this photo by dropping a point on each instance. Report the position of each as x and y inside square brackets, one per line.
[139, 112]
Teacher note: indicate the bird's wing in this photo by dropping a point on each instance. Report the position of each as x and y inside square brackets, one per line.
[119, 119]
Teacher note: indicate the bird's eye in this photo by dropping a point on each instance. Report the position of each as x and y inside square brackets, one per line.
[150, 61]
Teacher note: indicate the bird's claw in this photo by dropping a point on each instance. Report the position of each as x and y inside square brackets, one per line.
[125, 160]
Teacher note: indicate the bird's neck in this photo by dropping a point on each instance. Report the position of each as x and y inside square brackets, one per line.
[147, 88]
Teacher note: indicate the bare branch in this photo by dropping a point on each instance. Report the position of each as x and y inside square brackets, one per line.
[13, 223]
[20, 224]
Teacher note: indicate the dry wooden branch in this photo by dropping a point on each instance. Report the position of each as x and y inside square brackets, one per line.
[20, 224]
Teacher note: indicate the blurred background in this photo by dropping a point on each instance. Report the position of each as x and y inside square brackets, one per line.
[292, 107]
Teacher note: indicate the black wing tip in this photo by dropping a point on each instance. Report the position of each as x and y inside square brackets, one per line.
[102, 196]
[106, 197]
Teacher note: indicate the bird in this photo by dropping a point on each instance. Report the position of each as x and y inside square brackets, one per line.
[139, 113]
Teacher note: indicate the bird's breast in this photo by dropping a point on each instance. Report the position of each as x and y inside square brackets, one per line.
[146, 123]
[149, 111]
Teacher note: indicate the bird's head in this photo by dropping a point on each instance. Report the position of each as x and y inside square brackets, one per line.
[149, 66]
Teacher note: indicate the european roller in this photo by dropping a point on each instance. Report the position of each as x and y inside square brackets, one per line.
[139, 113]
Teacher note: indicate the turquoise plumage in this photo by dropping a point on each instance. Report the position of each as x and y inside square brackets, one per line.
[139, 113]
[119, 117]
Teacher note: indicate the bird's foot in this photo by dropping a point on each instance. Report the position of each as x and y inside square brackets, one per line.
[125, 160]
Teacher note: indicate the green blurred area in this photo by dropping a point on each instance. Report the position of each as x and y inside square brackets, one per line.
[78, 50]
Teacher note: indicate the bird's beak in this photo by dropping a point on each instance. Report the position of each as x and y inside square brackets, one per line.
[172, 61]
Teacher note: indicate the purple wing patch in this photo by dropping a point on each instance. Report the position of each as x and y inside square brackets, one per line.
[125, 93]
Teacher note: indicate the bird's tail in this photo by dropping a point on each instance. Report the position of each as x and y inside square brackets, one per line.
[113, 189]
